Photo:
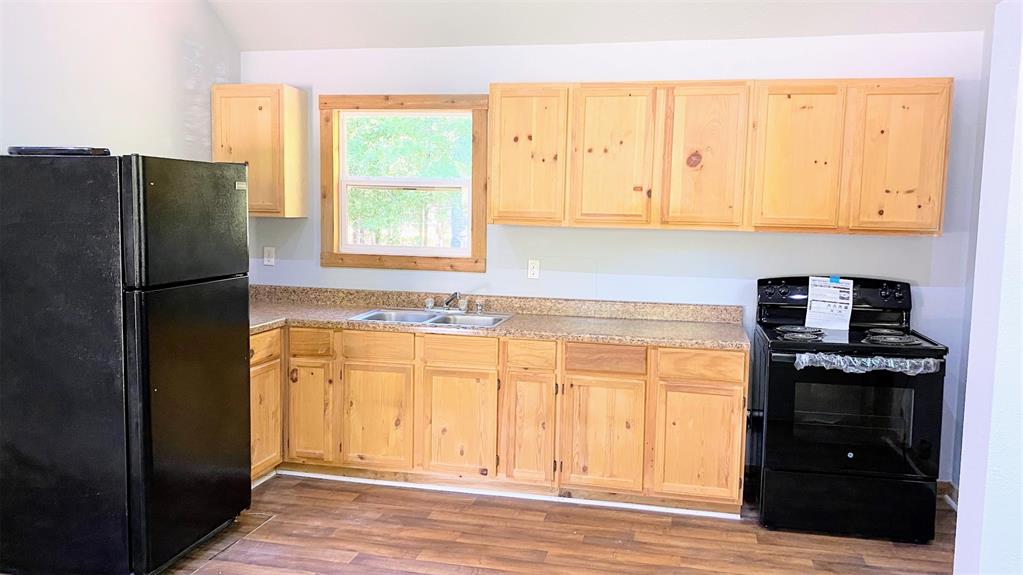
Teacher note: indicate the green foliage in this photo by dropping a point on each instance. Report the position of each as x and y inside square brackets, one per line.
[408, 146]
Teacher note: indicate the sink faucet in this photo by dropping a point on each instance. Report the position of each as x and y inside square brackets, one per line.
[454, 297]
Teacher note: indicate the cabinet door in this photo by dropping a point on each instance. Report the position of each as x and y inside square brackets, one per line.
[698, 440]
[246, 128]
[529, 159]
[265, 419]
[376, 423]
[460, 413]
[612, 154]
[898, 141]
[528, 403]
[707, 127]
[310, 410]
[602, 442]
[798, 154]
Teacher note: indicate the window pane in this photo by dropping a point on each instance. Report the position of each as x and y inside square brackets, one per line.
[412, 218]
[409, 145]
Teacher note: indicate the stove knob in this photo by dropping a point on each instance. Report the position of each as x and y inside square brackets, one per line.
[783, 290]
[885, 291]
[898, 294]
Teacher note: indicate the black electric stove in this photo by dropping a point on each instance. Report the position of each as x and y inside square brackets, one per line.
[845, 426]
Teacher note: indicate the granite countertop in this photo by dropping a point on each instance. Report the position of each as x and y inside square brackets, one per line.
[669, 333]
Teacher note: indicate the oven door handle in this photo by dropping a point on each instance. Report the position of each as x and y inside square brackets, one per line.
[783, 357]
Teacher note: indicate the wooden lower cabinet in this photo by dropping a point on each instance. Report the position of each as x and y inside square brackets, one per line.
[310, 410]
[602, 445]
[529, 403]
[376, 415]
[460, 421]
[265, 417]
[698, 436]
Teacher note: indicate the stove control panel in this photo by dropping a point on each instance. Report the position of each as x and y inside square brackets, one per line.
[867, 292]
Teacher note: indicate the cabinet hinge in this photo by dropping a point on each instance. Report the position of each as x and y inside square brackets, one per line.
[499, 384]
[561, 465]
[497, 461]
[555, 389]
[555, 468]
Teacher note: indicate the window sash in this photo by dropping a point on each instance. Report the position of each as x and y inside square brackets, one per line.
[343, 135]
[463, 185]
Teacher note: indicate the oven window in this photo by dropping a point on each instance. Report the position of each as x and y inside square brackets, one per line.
[853, 414]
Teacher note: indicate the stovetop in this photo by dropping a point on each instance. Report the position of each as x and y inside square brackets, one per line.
[886, 341]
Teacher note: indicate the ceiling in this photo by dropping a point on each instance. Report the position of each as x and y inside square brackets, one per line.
[325, 24]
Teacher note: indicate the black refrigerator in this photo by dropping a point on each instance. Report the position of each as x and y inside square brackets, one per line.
[124, 402]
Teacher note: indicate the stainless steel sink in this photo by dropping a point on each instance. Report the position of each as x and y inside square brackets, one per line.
[397, 315]
[433, 318]
[468, 320]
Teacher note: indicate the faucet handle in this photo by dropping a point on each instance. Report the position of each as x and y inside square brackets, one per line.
[463, 304]
[479, 306]
[429, 303]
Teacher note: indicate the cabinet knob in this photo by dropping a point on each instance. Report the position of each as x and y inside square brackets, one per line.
[252, 353]
[293, 375]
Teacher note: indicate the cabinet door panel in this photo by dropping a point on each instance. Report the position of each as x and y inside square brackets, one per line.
[798, 154]
[899, 137]
[310, 410]
[265, 419]
[707, 135]
[698, 450]
[460, 408]
[376, 422]
[529, 407]
[529, 159]
[603, 436]
[247, 129]
[612, 154]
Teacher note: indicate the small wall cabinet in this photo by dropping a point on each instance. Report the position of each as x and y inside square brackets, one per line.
[835, 156]
[265, 126]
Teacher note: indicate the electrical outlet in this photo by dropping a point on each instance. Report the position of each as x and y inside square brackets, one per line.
[269, 256]
[533, 269]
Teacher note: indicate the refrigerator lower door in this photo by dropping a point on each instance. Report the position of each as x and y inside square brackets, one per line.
[188, 415]
[183, 221]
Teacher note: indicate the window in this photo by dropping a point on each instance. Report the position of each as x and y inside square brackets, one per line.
[406, 178]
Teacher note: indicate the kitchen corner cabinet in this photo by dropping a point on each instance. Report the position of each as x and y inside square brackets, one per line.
[798, 150]
[376, 399]
[612, 166]
[311, 397]
[528, 402]
[458, 405]
[707, 125]
[529, 156]
[897, 139]
[265, 386]
[265, 126]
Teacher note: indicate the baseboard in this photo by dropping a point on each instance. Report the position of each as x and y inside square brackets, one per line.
[512, 495]
[264, 478]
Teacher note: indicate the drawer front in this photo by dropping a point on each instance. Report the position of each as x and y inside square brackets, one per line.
[460, 350]
[378, 345]
[702, 364]
[605, 358]
[264, 346]
[309, 342]
[531, 353]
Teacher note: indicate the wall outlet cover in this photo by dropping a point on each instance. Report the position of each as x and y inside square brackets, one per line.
[269, 256]
[533, 269]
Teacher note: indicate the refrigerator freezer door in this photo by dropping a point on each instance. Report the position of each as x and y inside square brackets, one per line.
[183, 220]
[63, 487]
[188, 403]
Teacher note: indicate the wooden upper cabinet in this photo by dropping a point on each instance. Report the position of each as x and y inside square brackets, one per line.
[376, 419]
[898, 137]
[611, 173]
[264, 125]
[799, 133]
[528, 153]
[602, 433]
[706, 140]
[698, 439]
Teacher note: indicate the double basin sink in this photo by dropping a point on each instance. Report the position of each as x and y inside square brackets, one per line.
[434, 318]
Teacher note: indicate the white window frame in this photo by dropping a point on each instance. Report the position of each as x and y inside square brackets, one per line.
[345, 182]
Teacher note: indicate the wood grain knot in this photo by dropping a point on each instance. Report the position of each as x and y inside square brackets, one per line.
[694, 159]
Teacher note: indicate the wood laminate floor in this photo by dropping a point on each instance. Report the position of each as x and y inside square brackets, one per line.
[305, 526]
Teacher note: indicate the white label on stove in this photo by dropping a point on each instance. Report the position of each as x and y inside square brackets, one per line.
[829, 303]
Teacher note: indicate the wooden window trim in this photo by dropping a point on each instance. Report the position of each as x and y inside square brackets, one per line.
[330, 163]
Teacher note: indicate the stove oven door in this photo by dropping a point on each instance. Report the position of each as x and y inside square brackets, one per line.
[877, 423]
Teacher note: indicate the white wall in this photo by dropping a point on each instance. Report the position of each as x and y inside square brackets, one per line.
[129, 76]
[674, 266]
[989, 534]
